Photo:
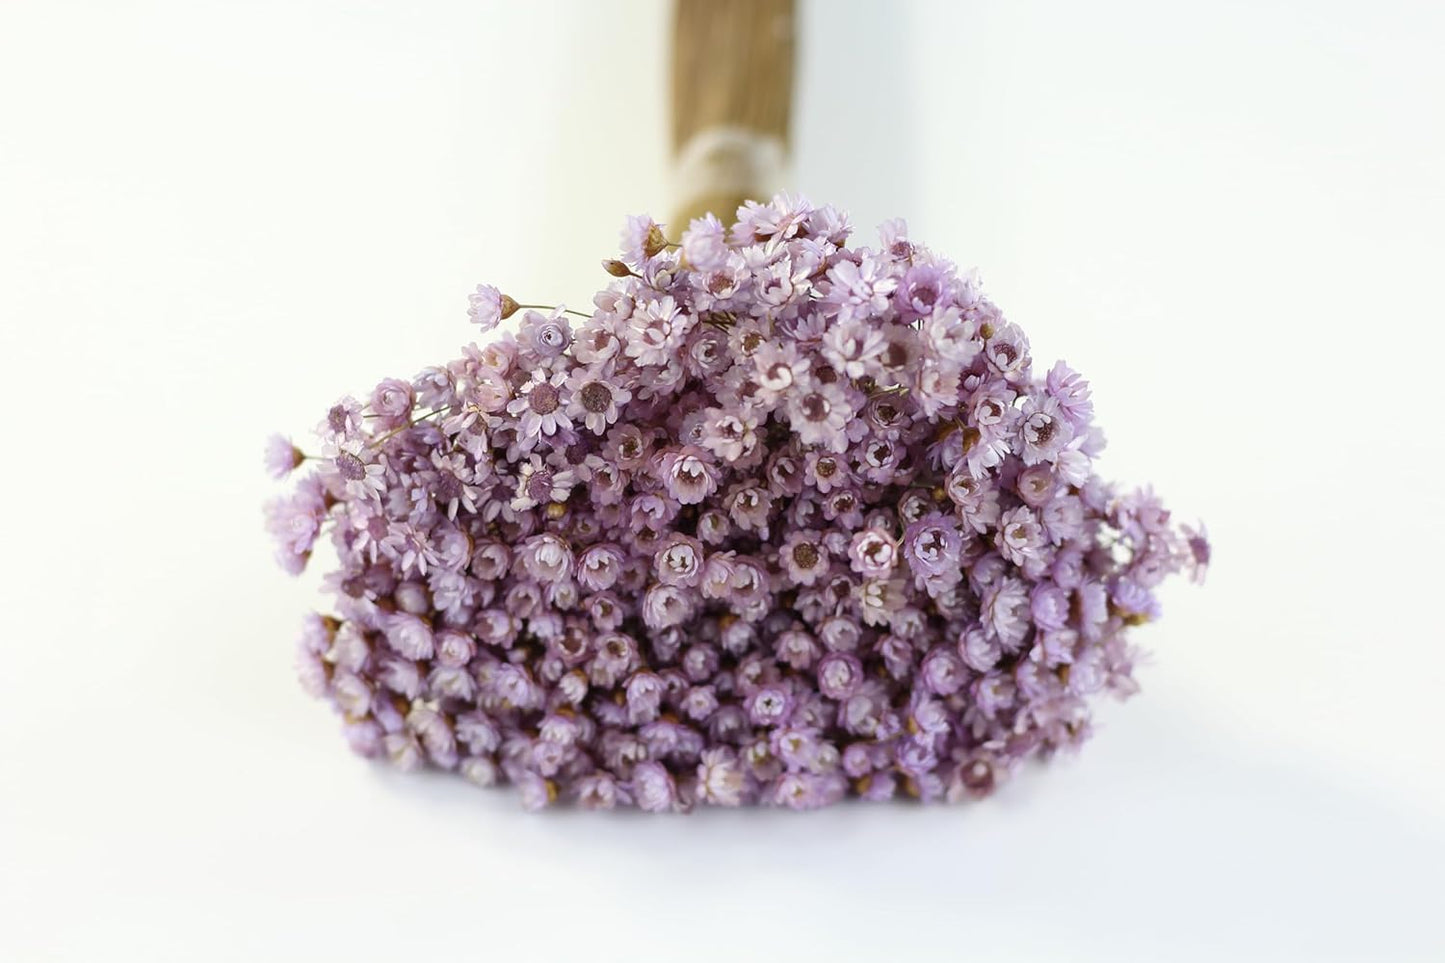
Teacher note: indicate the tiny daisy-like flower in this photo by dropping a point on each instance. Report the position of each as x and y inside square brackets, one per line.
[540, 484]
[730, 435]
[826, 471]
[1197, 541]
[450, 488]
[541, 407]
[343, 421]
[653, 788]
[679, 561]
[1019, 535]
[294, 521]
[362, 474]
[839, 675]
[642, 240]
[769, 706]
[852, 346]
[1071, 392]
[860, 288]
[665, 606]
[546, 557]
[803, 557]
[282, 456]
[595, 400]
[1044, 430]
[943, 672]
[704, 243]
[410, 636]
[932, 547]
[1007, 350]
[688, 474]
[655, 331]
[872, 553]
[720, 779]
[392, 401]
[486, 307]
[818, 415]
[779, 368]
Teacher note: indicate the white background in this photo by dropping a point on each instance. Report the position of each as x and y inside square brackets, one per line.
[216, 218]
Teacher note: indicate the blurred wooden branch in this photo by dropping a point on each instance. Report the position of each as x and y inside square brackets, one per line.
[732, 91]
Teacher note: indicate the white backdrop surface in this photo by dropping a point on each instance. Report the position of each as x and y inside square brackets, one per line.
[217, 217]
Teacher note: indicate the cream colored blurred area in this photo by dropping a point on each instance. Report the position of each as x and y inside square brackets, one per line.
[216, 217]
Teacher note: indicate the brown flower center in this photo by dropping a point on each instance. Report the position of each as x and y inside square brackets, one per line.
[350, 466]
[596, 397]
[544, 399]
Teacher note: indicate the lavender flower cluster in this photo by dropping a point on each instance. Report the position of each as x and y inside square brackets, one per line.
[778, 521]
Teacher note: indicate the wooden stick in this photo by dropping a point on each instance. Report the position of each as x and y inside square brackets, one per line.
[732, 91]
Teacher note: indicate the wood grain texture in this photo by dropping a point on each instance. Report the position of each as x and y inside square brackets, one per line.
[732, 67]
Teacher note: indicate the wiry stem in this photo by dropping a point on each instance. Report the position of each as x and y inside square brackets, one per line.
[552, 307]
[410, 424]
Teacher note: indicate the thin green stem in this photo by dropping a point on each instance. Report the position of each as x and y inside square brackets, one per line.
[552, 307]
[410, 424]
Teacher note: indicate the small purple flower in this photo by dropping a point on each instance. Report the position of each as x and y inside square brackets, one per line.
[932, 546]
[1044, 430]
[546, 557]
[294, 521]
[487, 307]
[514, 687]
[1049, 605]
[598, 790]
[769, 706]
[1019, 535]
[1197, 542]
[665, 606]
[860, 288]
[541, 484]
[839, 675]
[873, 553]
[653, 788]
[547, 335]
[362, 473]
[1071, 392]
[282, 457]
[804, 557]
[704, 243]
[541, 407]
[535, 792]
[679, 561]
[479, 771]
[688, 474]
[1035, 485]
[780, 368]
[644, 697]
[392, 401]
[943, 672]
[719, 778]
[852, 347]
[410, 636]
[655, 331]
[595, 401]
[1004, 606]
[973, 778]
[818, 414]
[642, 240]
[600, 566]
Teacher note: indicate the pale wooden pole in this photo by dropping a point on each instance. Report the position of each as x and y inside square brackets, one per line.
[732, 92]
